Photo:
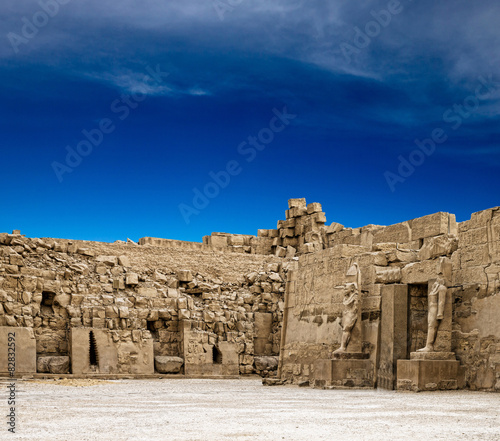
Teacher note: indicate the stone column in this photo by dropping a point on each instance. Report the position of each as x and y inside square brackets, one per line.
[394, 333]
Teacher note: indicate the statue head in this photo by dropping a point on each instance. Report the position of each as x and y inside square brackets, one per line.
[440, 281]
[351, 288]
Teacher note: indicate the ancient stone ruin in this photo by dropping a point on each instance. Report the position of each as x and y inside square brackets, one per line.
[411, 306]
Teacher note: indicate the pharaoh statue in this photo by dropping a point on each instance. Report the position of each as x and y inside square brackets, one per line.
[351, 307]
[436, 303]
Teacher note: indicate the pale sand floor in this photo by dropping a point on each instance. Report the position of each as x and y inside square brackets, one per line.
[243, 410]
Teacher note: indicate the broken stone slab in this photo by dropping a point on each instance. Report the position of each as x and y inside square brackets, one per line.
[251, 277]
[86, 252]
[79, 268]
[168, 365]
[53, 365]
[108, 260]
[273, 382]
[438, 246]
[275, 277]
[16, 259]
[132, 279]
[124, 261]
[334, 228]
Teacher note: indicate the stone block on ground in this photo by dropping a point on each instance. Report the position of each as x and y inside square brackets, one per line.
[266, 363]
[168, 365]
[53, 365]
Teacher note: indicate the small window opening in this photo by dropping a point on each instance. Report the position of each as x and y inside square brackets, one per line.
[217, 355]
[93, 355]
[153, 330]
[47, 304]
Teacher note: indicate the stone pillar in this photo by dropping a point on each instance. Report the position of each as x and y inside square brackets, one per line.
[394, 333]
[23, 342]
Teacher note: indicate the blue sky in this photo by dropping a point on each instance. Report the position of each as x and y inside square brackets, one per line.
[156, 101]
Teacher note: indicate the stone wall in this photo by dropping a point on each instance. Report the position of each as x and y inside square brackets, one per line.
[136, 300]
[410, 256]
[476, 312]
[233, 303]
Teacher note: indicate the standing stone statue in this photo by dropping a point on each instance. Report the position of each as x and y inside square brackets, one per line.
[436, 302]
[351, 308]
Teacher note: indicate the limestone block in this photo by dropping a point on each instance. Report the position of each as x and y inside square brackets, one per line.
[186, 275]
[147, 292]
[236, 240]
[300, 202]
[299, 230]
[307, 248]
[474, 237]
[398, 233]
[62, 300]
[52, 286]
[11, 269]
[101, 269]
[319, 218]
[124, 261]
[314, 207]
[275, 277]
[219, 241]
[420, 272]
[287, 232]
[280, 251]
[388, 275]
[79, 268]
[53, 365]
[432, 225]
[86, 252]
[474, 255]
[25, 349]
[107, 260]
[438, 246]
[334, 228]
[168, 365]
[297, 212]
[343, 373]
[429, 375]
[290, 252]
[290, 241]
[16, 259]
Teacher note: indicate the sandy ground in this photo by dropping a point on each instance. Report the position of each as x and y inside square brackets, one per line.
[243, 410]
